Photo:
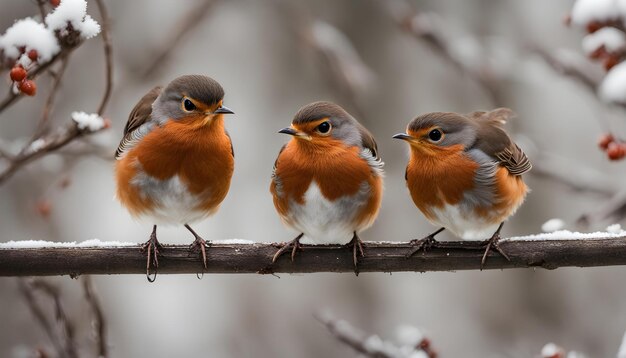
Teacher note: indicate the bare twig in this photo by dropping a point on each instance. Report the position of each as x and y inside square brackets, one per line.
[424, 27]
[66, 346]
[47, 108]
[257, 258]
[99, 321]
[572, 65]
[108, 56]
[342, 66]
[187, 24]
[41, 317]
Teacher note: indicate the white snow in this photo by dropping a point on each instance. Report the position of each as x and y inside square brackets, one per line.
[232, 242]
[85, 120]
[73, 12]
[32, 35]
[37, 244]
[36, 145]
[552, 225]
[569, 235]
[409, 335]
[551, 350]
[585, 11]
[621, 353]
[612, 39]
[613, 87]
[614, 229]
[89, 28]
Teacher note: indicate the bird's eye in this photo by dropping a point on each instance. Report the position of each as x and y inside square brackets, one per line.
[188, 105]
[435, 135]
[324, 127]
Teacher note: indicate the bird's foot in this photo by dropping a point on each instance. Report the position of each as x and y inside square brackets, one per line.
[423, 244]
[153, 247]
[493, 242]
[285, 246]
[357, 251]
[200, 244]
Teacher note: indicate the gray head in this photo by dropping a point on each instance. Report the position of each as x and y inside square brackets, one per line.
[440, 129]
[190, 96]
[320, 122]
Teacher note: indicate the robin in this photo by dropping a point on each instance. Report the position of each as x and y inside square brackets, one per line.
[465, 174]
[175, 161]
[327, 181]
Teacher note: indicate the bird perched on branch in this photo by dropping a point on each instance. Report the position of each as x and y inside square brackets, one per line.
[465, 174]
[327, 181]
[175, 161]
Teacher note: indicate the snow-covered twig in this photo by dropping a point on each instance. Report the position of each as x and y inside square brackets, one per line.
[550, 251]
[81, 125]
[411, 342]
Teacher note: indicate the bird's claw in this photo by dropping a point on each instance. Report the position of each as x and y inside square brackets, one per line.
[153, 247]
[424, 244]
[493, 242]
[283, 247]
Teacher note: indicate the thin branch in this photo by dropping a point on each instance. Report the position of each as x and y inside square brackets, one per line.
[99, 321]
[187, 24]
[66, 346]
[40, 316]
[70, 132]
[47, 108]
[573, 66]
[52, 142]
[108, 55]
[424, 27]
[372, 345]
[345, 333]
[256, 258]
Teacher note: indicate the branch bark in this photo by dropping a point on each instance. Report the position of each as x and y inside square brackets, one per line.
[256, 258]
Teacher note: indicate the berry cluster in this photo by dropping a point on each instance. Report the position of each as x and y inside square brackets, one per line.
[19, 76]
[615, 149]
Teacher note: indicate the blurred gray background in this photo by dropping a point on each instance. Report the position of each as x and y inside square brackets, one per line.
[253, 50]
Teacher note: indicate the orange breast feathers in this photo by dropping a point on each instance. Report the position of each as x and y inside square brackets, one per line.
[441, 178]
[199, 154]
[338, 171]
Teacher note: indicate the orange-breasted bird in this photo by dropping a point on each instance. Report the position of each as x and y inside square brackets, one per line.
[327, 181]
[175, 161]
[465, 174]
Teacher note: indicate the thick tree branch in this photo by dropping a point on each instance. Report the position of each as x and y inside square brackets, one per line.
[256, 258]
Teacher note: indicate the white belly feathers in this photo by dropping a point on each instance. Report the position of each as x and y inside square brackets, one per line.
[325, 222]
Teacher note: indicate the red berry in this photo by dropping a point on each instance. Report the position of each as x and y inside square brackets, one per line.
[44, 207]
[27, 87]
[55, 3]
[18, 73]
[605, 140]
[593, 26]
[32, 54]
[598, 53]
[616, 151]
[107, 123]
[611, 61]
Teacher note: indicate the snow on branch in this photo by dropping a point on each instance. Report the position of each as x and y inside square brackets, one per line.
[549, 250]
[70, 25]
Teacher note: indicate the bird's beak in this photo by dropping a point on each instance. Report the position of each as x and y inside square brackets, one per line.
[403, 136]
[295, 133]
[224, 110]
